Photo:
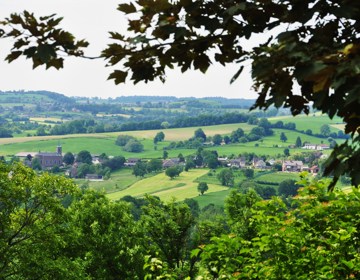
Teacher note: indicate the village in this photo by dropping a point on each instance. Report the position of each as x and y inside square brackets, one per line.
[50, 161]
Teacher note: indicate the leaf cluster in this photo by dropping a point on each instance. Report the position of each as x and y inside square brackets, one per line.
[40, 39]
[314, 239]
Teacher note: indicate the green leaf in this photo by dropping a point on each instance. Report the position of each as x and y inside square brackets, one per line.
[237, 74]
[119, 76]
[349, 264]
[127, 8]
[195, 253]
[13, 55]
[45, 52]
[56, 63]
[202, 62]
[30, 52]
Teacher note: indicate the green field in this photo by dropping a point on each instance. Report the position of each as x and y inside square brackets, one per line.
[119, 180]
[313, 122]
[216, 198]
[105, 142]
[211, 177]
[278, 177]
[160, 185]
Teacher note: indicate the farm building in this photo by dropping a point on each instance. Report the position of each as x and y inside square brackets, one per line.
[170, 162]
[318, 147]
[131, 161]
[238, 162]
[292, 165]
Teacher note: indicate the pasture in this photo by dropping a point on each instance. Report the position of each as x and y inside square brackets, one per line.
[291, 138]
[278, 177]
[313, 122]
[119, 180]
[105, 143]
[98, 143]
[43, 119]
[216, 198]
[162, 186]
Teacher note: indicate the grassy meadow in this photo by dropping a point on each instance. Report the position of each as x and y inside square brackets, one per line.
[216, 198]
[278, 177]
[162, 186]
[119, 180]
[313, 122]
[98, 143]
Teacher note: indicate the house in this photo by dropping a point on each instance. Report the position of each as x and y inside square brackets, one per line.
[170, 162]
[96, 159]
[223, 161]
[72, 171]
[292, 165]
[93, 177]
[323, 147]
[49, 160]
[260, 164]
[237, 162]
[26, 154]
[131, 162]
[272, 161]
[305, 168]
[314, 169]
[310, 146]
[318, 147]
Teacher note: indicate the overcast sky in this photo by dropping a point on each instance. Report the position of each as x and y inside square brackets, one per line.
[91, 20]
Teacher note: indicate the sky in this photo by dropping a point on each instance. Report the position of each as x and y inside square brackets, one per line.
[91, 20]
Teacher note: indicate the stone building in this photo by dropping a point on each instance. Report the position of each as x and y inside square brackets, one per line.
[49, 160]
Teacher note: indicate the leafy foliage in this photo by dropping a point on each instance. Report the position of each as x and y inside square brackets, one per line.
[160, 136]
[226, 177]
[133, 146]
[288, 188]
[168, 226]
[140, 169]
[68, 158]
[34, 225]
[283, 137]
[122, 140]
[84, 157]
[202, 187]
[173, 171]
[319, 51]
[40, 39]
[315, 239]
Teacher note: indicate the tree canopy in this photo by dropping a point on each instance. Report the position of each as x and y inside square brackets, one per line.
[310, 57]
[84, 156]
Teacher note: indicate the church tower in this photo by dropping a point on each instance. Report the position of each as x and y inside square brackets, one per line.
[59, 149]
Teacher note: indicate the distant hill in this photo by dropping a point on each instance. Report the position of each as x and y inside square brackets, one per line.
[219, 101]
[231, 102]
[143, 99]
[34, 97]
